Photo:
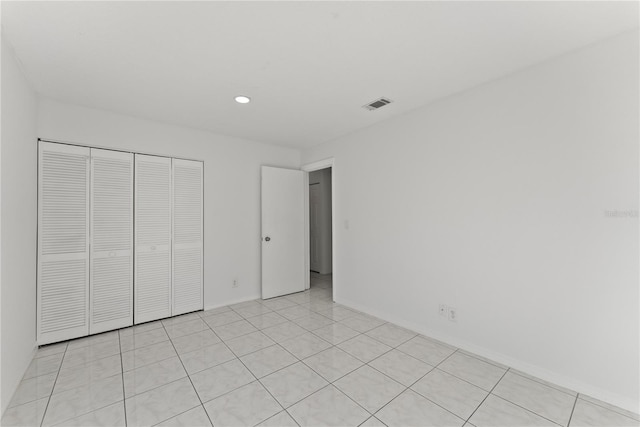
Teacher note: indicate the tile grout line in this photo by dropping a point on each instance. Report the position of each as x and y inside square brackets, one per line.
[189, 375]
[10, 406]
[371, 414]
[526, 409]
[513, 403]
[44, 414]
[124, 395]
[269, 391]
[485, 398]
[93, 359]
[150, 363]
[309, 367]
[245, 366]
[331, 383]
[147, 345]
[190, 381]
[371, 417]
[495, 364]
[258, 381]
[64, 354]
[120, 354]
[152, 389]
[437, 366]
[518, 405]
[575, 402]
[415, 358]
[306, 304]
[162, 325]
[76, 387]
[298, 361]
[413, 383]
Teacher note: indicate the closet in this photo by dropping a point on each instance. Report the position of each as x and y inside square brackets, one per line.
[120, 239]
[187, 254]
[153, 238]
[63, 242]
[111, 237]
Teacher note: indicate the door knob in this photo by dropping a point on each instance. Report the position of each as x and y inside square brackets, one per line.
[267, 238]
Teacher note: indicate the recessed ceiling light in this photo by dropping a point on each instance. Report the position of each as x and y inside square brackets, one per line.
[243, 99]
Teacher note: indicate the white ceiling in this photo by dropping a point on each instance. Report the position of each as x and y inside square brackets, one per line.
[308, 66]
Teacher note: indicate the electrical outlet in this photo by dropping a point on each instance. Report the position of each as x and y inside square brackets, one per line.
[453, 314]
[235, 283]
[443, 310]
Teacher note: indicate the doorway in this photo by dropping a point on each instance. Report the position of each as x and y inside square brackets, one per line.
[320, 229]
[293, 230]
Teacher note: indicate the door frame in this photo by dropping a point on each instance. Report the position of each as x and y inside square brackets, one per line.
[310, 167]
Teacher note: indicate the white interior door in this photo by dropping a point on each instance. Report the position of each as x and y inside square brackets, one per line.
[187, 236]
[63, 242]
[283, 231]
[111, 282]
[153, 238]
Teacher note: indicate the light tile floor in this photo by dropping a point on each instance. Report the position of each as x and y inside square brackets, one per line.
[298, 360]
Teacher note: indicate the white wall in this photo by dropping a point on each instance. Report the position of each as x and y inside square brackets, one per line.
[322, 178]
[493, 201]
[231, 184]
[19, 201]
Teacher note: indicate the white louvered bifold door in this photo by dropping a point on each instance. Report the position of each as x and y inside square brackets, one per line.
[63, 242]
[152, 281]
[111, 282]
[187, 236]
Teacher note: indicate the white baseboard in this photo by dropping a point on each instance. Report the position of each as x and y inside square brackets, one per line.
[536, 371]
[238, 301]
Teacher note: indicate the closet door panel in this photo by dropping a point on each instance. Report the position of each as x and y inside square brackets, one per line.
[63, 242]
[152, 238]
[187, 236]
[111, 284]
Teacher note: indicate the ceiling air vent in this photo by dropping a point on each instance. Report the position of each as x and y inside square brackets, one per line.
[377, 104]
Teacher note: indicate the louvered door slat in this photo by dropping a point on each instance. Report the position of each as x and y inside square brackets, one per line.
[152, 238]
[63, 242]
[111, 285]
[187, 236]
